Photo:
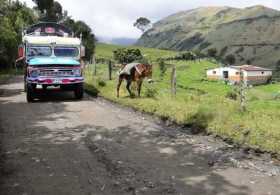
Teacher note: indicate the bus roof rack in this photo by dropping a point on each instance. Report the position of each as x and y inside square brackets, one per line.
[48, 29]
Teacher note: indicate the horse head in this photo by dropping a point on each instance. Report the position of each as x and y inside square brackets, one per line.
[149, 72]
[145, 70]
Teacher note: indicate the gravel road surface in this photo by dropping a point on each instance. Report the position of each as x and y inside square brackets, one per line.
[59, 146]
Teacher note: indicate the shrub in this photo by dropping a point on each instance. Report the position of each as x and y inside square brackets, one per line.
[199, 121]
[101, 83]
[223, 51]
[233, 95]
[151, 92]
[162, 67]
[187, 55]
[212, 52]
[198, 54]
[230, 59]
[125, 55]
[241, 49]
[91, 90]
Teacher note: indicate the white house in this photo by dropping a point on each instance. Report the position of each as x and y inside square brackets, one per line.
[252, 75]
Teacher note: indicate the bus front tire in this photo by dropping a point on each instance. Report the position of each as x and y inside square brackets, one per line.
[79, 91]
[30, 93]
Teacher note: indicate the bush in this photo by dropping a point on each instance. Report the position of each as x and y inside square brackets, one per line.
[151, 92]
[90, 89]
[199, 121]
[212, 52]
[233, 95]
[223, 51]
[230, 59]
[162, 67]
[101, 83]
[187, 55]
[125, 56]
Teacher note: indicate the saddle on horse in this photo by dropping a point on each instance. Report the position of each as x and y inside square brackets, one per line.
[127, 69]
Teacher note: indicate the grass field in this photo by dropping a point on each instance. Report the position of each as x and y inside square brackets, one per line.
[200, 104]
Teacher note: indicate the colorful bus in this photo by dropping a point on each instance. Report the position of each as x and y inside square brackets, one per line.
[52, 57]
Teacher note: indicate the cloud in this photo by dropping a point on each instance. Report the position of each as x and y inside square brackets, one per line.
[115, 18]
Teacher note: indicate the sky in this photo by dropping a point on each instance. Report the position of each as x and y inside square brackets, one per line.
[111, 19]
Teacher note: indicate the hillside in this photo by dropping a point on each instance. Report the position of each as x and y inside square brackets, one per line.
[251, 34]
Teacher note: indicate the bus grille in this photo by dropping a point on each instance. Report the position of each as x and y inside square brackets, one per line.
[56, 73]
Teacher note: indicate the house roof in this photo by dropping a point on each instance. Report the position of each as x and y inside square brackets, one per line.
[251, 68]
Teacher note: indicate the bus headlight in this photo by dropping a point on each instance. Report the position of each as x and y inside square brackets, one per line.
[34, 73]
[77, 72]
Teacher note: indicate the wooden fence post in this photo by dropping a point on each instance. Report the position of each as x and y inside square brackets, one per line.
[242, 92]
[110, 69]
[173, 81]
[94, 65]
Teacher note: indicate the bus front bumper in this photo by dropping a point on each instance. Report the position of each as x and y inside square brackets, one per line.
[55, 80]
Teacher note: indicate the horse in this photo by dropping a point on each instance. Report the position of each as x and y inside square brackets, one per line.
[137, 73]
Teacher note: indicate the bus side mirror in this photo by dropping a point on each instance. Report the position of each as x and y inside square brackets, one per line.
[83, 51]
[20, 51]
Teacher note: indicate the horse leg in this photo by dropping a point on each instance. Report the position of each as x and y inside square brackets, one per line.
[128, 87]
[139, 86]
[118, 86]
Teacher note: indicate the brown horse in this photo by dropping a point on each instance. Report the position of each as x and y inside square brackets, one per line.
[136, 74]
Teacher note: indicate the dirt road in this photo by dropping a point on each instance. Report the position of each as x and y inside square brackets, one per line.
[62, 146]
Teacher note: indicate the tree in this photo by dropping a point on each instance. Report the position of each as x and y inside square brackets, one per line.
[3, 7]
[8, 43]
[212, 52]
[142, 24]
[81, 28]
[230, 59]
[198, 54]
[14, 16]
[50, 10]
[125, 56]
[44, 5]
[55, 13]
[248, 62]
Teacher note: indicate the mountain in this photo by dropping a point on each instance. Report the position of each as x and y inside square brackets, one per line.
[117, 41]
[251, 34]
[123, 41]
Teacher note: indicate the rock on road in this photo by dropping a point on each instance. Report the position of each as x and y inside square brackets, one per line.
[62, 146]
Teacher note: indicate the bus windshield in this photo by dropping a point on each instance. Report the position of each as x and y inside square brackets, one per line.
[39, 51]
[66, 51]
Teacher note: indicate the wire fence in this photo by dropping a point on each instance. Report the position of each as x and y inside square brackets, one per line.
[108, 69]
